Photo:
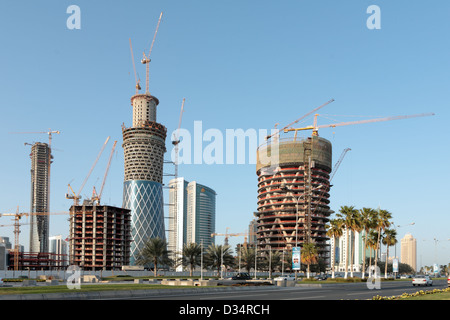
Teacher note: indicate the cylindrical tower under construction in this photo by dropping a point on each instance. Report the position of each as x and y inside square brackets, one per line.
[144, 148]
[293, 199]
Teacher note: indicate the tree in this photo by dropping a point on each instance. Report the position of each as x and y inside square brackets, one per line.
[154, 252]
[335, 231]
[389, 239]
[372, 238]
[382, 222]
[247, 258]
[191, 256]
[348, 215]
[366, 221]
[309, 255]
[219, 255]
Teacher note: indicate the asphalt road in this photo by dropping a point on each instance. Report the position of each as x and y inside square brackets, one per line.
[348, 291]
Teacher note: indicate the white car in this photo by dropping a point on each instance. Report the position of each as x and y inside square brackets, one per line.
[421, 280]
[285, 277]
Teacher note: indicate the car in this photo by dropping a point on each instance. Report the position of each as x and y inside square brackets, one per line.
[1, 281]
[448, 281]
[241, 276]
[422, 280]
[321, 277]
[288, 277]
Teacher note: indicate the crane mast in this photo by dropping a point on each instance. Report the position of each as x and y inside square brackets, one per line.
[146, 59]
[176, 140]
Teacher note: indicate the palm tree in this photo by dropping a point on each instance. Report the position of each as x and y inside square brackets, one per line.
[309, 255]
[347, 213]
[219, 255]
[191, 256]
[382, 222]
[355, 226]
[372, 238]
[154, 252]
[366, 221]
[335, 231]
[248, 258]
[389, 239]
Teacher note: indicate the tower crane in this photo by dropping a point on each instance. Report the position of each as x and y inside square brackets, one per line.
[47, 132]
[146, 58]
[227, 235]
[76, 196]
[98, 197]
[338, 163]
[315, 128]
[176, 140]
[301, 118]
[138, 87]
[17, 217]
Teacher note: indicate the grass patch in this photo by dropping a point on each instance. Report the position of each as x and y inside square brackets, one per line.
[84, 288]
[436, 294]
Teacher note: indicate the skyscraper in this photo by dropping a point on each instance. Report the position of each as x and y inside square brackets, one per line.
[192, 214]
[41, 159]
[144, 148]
[409, 251]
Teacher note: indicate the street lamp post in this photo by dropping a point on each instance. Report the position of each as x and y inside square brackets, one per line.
[283, 187]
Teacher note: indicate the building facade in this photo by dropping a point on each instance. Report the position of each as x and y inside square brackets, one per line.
[409, 251]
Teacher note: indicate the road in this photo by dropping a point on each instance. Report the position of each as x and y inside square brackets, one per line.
[348, 291]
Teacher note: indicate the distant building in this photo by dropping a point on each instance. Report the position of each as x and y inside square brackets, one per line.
[355, 243]
[192, 215]
[409, 251]
[252, 230]
[3, 256]
[41, 160]
[58, 248]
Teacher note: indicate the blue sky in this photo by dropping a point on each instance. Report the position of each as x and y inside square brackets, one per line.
[239, 64]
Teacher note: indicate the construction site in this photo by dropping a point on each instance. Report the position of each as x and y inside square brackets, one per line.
[294, 183]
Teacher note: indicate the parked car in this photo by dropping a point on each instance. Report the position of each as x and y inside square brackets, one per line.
[422, 280]
[1, 281]
[241, 276]
[288, 277]
[448, 280]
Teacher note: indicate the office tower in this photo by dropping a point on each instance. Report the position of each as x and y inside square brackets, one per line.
[409, 251]
[192, 214]
[293, 198]
[41, 160]
[177, 215]
[100, 237]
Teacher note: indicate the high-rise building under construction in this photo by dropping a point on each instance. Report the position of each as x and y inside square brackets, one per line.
[293, 198]
[144, 148]
[41, 160]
